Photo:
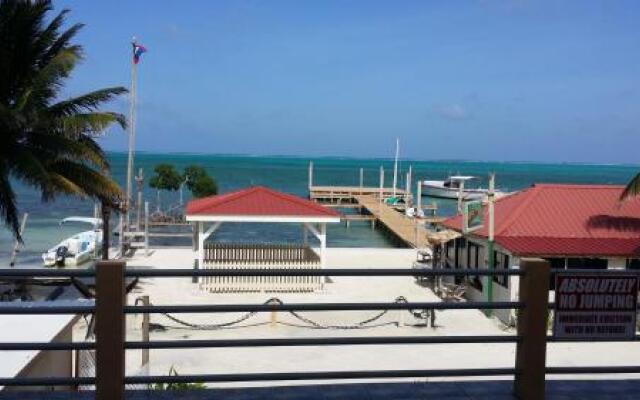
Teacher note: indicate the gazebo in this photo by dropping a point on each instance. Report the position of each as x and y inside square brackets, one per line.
[262, 205]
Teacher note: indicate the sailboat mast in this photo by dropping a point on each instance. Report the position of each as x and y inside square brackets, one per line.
[395, 167]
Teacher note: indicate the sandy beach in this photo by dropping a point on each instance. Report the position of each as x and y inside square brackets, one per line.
[324, 358]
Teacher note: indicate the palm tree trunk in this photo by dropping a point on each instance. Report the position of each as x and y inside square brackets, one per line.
[158, 200]
[106, 213]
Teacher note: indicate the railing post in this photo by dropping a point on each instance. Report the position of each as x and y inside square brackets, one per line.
[531, 350]
[145, 332]
[110, 330]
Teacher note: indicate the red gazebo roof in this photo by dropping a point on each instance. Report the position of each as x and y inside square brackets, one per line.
[564, 220]
[258, 201]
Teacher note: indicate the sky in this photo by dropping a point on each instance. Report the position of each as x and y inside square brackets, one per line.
[508, 80]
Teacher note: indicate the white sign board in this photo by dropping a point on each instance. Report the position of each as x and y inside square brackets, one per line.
[472, 216]
[591, 306]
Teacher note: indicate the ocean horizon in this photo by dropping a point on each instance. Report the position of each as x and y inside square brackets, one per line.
[355, 158]
[289, 173]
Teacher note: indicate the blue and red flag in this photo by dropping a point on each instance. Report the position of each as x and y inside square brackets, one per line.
[138, 49]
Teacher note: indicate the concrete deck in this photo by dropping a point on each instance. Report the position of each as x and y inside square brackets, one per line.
[469, 390]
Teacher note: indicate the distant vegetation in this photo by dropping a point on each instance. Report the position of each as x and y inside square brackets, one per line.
[194, 177]
[48, 142]
[199, 182]
[165, 177]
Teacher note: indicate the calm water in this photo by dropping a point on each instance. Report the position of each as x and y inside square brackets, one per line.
[289, 174]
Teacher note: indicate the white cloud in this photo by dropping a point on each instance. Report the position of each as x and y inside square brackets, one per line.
[451, 111]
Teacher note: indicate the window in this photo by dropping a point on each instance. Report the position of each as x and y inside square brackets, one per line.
[633, 263]
[473, 262]
[461, 244]
[501, 262]
[448, 246]
[587, 263]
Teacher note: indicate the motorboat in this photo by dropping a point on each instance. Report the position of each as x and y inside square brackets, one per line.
[453, 187]
[77, 249]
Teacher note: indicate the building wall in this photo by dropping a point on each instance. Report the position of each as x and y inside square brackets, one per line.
[500, 292]
[57, 363]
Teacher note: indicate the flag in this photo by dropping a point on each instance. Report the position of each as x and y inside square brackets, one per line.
[137, 52]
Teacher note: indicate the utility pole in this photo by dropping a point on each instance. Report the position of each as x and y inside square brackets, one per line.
[132, 132]
[490, 242]
[381, 187]
[137, 52]
[395, 167]
[460, 196]
[140, 186]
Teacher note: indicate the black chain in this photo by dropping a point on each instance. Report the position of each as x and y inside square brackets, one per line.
[359, 325]
[364, 324]
[204, 327]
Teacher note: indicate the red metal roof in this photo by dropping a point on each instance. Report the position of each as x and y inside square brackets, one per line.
[559, 219]
[258, 201]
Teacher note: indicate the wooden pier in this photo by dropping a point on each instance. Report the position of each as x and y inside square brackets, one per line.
[344, 195]
[411, 231]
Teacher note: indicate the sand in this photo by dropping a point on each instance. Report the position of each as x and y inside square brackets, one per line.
[321, 358]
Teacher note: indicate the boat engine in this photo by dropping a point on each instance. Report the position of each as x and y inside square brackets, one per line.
[61, 254]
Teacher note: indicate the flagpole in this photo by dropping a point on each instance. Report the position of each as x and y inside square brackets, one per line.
[132, 134]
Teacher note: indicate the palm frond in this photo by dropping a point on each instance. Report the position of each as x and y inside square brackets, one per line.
[92, 123]
[51, 147]
[632, 189]
[48, 80]
[64, 185]
[27, 166]
[92, 182]
[87, 102]
[43, 44]
[46, 143]
[61, 41]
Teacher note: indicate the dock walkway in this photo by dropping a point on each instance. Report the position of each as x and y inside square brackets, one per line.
[407, 229]
[411, 231]
[344, 194]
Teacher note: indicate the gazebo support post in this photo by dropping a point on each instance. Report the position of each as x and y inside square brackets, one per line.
[202, 236]
[321, 233]
[305, 235]
[201, 245]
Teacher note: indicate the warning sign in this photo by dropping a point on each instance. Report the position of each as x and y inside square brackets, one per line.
[595, 306]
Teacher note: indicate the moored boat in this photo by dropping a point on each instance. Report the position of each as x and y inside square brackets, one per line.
[452, 187]
[76, 249]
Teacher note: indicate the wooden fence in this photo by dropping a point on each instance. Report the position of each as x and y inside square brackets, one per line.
[260, 256]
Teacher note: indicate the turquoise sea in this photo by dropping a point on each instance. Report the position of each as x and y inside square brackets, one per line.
[289, 174]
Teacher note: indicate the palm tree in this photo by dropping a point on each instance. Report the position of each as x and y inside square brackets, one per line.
[632, 189]
[48, 143]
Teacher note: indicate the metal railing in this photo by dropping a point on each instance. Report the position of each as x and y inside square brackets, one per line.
[110, 309]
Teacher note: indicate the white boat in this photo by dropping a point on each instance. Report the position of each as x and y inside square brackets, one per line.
[451, 188]
[77, 249]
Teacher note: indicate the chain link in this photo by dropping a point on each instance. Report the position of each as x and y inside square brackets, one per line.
[364, 324]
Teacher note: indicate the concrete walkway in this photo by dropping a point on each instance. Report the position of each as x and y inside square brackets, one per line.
[465, 390]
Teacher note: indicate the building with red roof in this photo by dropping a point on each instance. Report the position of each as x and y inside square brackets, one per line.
[258, 204]
[572, 226]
